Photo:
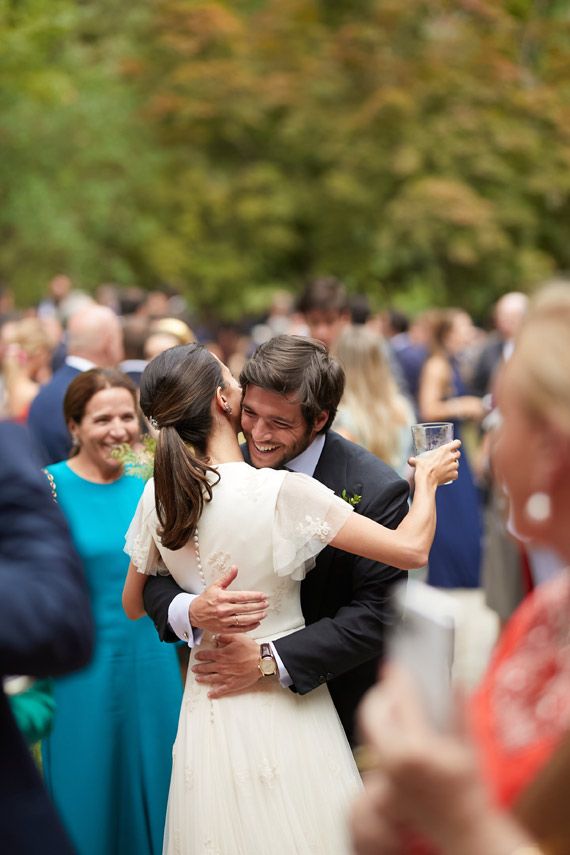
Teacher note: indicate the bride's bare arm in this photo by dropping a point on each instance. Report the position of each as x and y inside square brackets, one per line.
[407, 546]
[133, 605]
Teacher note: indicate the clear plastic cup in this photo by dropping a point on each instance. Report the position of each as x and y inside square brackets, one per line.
[429, 435]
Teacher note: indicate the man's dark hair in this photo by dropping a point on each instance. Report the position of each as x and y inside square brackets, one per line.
[325, 294]
[359, 305]
[300, 367]
[398, 321]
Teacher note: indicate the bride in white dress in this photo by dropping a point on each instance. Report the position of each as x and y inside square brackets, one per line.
[267, 770]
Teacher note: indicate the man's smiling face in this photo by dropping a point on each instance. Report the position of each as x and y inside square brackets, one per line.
[274, 427]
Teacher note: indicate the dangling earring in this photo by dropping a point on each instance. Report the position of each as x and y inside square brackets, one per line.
[75, 441]
[538, 507]
[227, 409]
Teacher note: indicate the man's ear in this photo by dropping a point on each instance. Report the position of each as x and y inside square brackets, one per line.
[321, 421]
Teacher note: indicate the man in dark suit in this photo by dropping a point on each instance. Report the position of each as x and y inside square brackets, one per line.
[508, 315]
[45, 630]
[292, 388]
[94, 338]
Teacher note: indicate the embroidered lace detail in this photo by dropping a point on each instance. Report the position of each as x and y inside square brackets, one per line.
[276, 600]
[312, 527]
[140, 549]
[219, 562]
[243, 777]
[268, 773]
[307, 518]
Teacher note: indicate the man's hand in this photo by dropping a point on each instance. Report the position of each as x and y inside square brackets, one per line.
[230, 667]
[219, 610]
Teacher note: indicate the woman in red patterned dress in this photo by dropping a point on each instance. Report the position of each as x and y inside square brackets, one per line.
[443, 786]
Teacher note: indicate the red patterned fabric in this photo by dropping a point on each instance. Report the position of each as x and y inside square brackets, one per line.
[522, 707]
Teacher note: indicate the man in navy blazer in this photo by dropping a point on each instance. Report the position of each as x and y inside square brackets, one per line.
[45, 630]
[94, 338]
[292, 388]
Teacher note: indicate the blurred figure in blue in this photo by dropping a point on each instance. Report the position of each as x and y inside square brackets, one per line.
[455, 556]
[45, 629]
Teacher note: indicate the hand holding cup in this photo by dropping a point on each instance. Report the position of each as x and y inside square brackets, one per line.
[428, 436]
[441, 463]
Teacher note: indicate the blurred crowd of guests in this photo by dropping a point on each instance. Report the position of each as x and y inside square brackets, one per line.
[59, 364]
[437, 366]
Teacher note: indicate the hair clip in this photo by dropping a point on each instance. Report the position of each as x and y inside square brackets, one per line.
[153, 422]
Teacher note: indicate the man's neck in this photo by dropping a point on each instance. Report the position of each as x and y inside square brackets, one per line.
[306, 462]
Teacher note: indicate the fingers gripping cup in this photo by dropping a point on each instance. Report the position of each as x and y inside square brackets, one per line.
[429, 435]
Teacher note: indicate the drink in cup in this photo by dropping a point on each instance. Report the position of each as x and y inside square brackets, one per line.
[429, 435]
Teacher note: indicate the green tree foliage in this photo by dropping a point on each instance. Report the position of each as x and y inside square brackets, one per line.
[418, 150]
[78, 173]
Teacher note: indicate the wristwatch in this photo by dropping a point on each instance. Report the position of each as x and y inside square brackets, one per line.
[267, 664]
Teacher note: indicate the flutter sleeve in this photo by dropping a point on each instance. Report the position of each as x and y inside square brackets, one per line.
[307, 517]
[140, 542]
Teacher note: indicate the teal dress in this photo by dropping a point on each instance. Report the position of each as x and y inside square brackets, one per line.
[108, 759]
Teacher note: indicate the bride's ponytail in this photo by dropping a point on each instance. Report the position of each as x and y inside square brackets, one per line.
[177, 389]
[182, 483]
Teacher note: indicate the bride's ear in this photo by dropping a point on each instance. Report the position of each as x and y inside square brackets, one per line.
[222, 401]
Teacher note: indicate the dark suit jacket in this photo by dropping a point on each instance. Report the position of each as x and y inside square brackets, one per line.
[45, 629]
[486, 366]
[46, 421]
[345, 599]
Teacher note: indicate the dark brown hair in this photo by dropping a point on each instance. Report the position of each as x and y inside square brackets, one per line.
[325, 294]
[300, 367]
[440, 323]
[83, 387]
[177, 388]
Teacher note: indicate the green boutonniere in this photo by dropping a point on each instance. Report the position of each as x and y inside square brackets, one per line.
[353, 499]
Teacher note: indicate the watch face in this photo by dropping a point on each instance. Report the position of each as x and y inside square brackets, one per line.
[268, 666]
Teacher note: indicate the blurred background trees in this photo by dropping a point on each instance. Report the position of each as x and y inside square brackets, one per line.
[420, 151]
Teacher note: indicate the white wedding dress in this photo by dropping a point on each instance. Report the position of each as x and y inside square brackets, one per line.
[267, 771]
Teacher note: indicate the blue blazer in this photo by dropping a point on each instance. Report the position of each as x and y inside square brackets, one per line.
[45, 629]
[46, 420]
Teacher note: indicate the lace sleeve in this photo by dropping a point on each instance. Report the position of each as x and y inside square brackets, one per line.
[139, 540]
[307, 517]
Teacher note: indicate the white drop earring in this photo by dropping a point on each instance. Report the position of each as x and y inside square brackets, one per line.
[538, 507]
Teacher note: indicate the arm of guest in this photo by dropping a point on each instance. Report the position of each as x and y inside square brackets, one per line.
[45, 616]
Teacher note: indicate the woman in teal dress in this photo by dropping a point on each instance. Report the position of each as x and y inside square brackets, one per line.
[107, 761]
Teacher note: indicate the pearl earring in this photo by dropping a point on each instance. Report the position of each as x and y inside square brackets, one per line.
[538, 507]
